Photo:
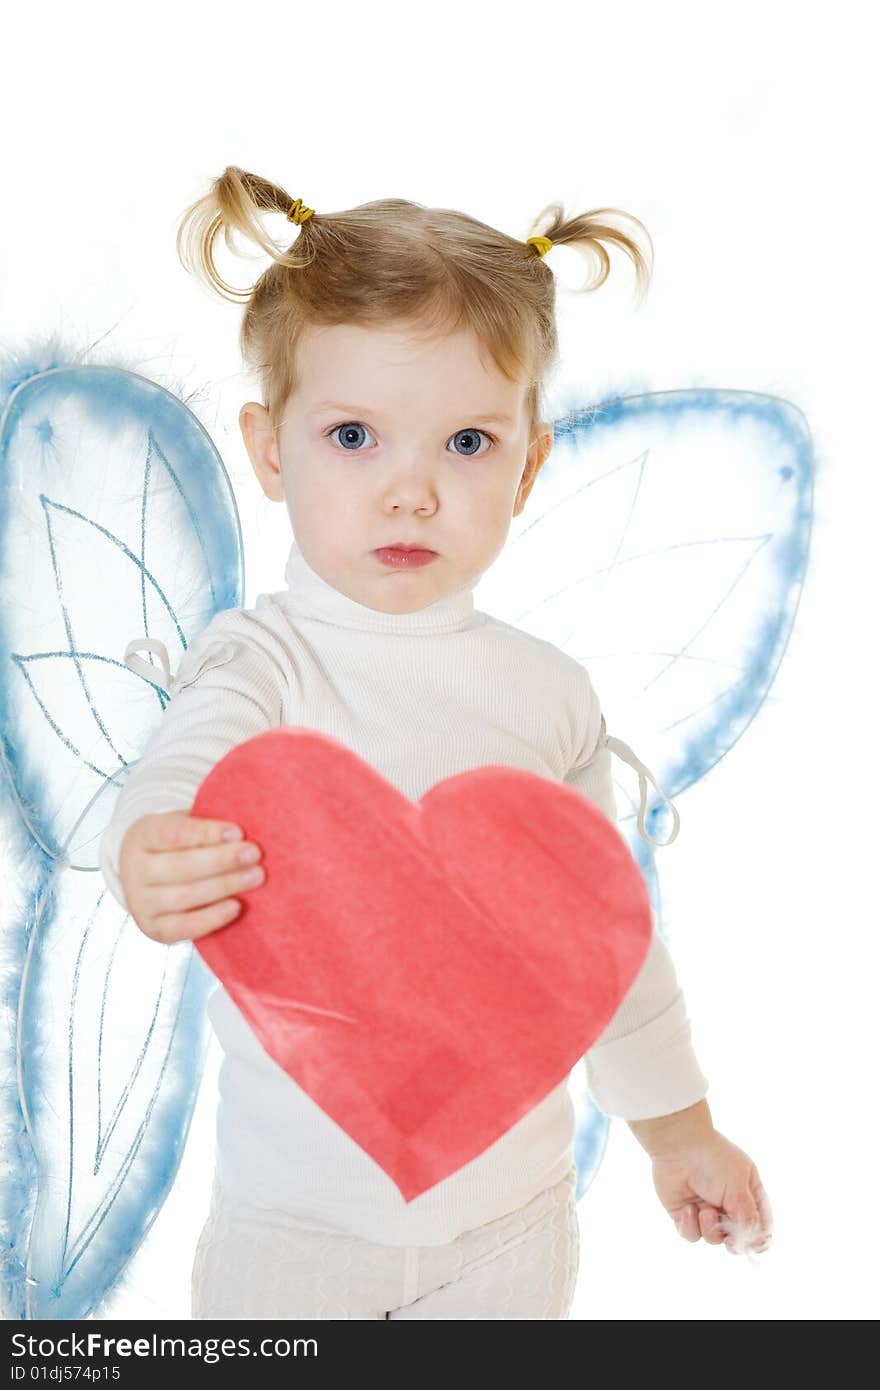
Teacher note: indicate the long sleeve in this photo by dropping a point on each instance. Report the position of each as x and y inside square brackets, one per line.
[226, 691]
[643, 1064]
[420, 696]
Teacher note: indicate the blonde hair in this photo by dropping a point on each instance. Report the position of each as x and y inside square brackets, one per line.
[394, 261]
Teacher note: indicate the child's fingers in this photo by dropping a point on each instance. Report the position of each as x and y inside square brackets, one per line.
[748, 1229]
[710, 1225]
[702, 1221]
[179, 830]
[755, 1238]
[189, 926]
[687, 1224]
[189, 865]
[183, 897]
[764, 1210]
[743, 1237]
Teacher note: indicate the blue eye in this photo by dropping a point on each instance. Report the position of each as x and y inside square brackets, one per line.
[351, 431]
[348, 429]
[473, 435]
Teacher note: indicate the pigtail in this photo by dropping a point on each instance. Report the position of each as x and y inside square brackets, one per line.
[587, 232]
[234, 203]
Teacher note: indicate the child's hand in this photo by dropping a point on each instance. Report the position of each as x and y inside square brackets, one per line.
[712, 1191]
[178, 872]
[710, 1188]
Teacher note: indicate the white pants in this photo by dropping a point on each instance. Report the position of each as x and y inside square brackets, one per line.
[260, 1264]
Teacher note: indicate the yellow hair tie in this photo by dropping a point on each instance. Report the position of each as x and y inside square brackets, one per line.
[543, 244]
[297, 213]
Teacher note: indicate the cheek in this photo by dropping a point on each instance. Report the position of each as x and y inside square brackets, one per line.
[307, 503]
[484, 522]
[292, 476]
[494, 496]
[306, 487]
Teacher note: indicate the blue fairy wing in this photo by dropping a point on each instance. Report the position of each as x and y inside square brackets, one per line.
[117, 521]
[664, 545]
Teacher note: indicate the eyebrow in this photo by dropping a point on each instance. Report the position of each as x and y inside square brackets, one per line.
[357, 410]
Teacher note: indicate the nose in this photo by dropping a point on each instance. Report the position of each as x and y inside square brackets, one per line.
[411, 492]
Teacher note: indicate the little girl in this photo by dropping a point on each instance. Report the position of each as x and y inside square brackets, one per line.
[401, 352]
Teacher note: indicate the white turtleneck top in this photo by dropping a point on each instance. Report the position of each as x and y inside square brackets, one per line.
[420, 696]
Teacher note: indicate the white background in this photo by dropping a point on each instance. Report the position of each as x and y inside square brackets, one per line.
[744, 136]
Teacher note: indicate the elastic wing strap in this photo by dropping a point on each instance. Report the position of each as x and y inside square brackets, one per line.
[624, 752]
[143, 668]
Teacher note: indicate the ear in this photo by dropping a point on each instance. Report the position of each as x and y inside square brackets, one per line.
[539, 449]
[262, 446]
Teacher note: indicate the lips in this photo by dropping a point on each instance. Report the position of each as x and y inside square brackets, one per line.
[425, 550]
[402, 556]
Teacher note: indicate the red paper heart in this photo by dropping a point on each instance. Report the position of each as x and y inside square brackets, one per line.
[426, 971]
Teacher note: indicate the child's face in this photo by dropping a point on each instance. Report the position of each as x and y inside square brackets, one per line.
[417, 463]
